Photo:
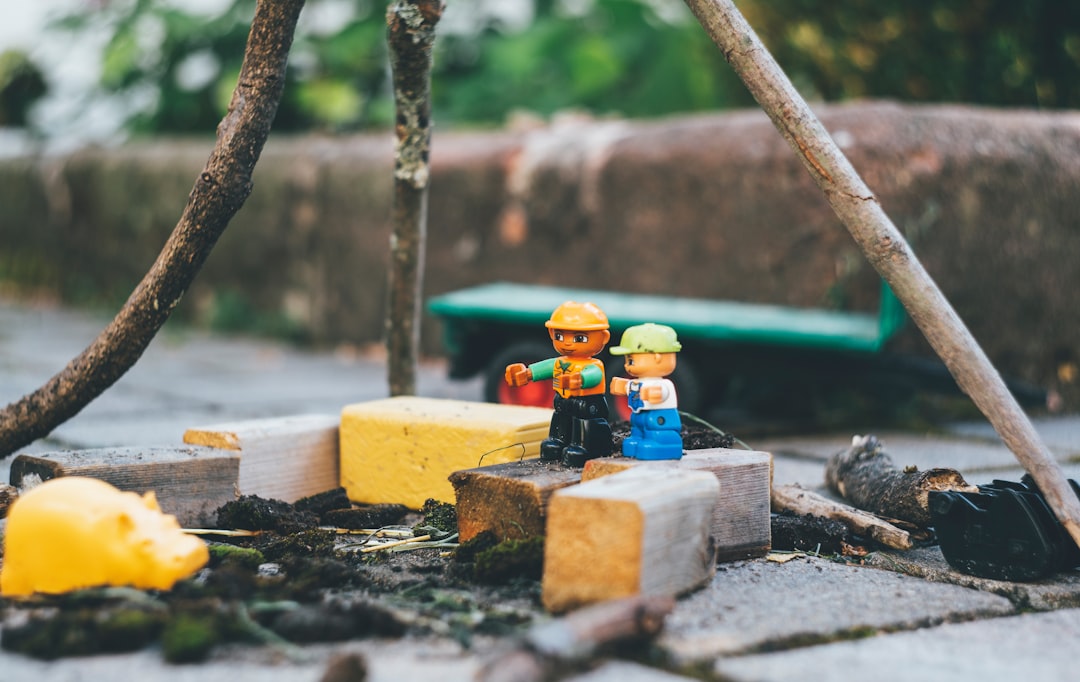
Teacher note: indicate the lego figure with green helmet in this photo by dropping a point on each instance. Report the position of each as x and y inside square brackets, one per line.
[655, 426]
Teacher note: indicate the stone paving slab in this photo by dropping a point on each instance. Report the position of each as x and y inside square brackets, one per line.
[808, 473]
[388, 661]
[757, 605]
[1061, 433]
[623, 671]
[1056, 592]
[1038, 646]
[923, 451]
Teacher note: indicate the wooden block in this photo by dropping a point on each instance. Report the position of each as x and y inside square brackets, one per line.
[284, 458]
[402, 450]
[190, 483]
[641, 531]
[509, 499]
[741, 524]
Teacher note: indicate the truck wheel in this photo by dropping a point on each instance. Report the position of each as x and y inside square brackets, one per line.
[536, 394]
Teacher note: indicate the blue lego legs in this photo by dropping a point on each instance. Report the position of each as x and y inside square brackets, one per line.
[654, 434]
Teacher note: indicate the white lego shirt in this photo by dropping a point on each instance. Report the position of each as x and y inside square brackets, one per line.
[669, 401]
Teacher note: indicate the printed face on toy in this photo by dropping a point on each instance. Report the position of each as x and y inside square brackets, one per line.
[650, 364]
[579, 344]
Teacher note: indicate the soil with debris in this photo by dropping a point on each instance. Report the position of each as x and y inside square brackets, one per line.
[695, 436]
[310, 572]
[294, 582]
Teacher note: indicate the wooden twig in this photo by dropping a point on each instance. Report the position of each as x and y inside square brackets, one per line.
[411, 33]
[561, 644]
[8, 495]
[886, 249]
[219, 192]
[865, 476]
[799, 501]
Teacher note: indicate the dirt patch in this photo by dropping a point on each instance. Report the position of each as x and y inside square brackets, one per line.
[293, 582]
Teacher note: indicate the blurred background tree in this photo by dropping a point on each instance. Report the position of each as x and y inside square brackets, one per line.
[636, 58]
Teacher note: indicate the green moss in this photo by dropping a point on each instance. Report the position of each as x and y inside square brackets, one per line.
[441, 515]
[189, 638]
[309, 543]
[243, 557]
[510, 559]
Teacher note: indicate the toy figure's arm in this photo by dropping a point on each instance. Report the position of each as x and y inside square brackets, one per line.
[593, 375]
[657, 393]
[620, 385]
[518, 374]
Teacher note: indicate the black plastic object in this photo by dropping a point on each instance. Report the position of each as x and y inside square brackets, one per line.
[1005, 531]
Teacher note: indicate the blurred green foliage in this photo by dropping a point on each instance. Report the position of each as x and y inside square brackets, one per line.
[21, 84]
[629, 57]
[990, 52]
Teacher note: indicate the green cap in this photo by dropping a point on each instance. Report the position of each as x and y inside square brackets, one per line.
[647, 338]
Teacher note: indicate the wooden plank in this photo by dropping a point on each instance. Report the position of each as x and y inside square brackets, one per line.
[190, 483]
[402, 450]
[641, 531]
[740, 521]
[508, 499]
[284, 458]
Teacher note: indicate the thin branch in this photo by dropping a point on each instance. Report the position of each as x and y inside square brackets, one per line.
[411, 34]
[219, 192]
[886, 249]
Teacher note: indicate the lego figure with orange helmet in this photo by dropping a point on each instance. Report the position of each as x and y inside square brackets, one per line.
[579, 428]
[655, 426]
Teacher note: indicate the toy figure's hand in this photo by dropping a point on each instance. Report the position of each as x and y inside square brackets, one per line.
[653, 394]
[618, 385]
[518, 374]
[571, 381]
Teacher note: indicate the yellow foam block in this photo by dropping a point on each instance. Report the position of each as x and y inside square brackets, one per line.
[401, 450]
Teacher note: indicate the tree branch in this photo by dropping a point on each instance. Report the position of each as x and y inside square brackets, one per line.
[219, 192]
[886, 249]
[411, 33]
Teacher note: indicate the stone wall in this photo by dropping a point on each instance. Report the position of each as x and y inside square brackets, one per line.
[710, 206]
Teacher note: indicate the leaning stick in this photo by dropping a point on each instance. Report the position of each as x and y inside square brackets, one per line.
[799, 501]
[886, 249]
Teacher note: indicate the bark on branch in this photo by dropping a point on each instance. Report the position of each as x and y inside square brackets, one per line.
[219, 192]
[886, 249]
[411, 34]
[865, 475]
[555, 649]
[794, 499]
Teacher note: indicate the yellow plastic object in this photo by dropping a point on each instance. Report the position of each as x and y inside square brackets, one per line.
[401, 450]
[71, 533]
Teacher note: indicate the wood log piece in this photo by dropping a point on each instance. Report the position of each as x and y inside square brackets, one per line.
[285, 458]
[561, 645]
[510, 499]
[189, 483]
[799, 501]
[641, 531]
[740, 520]
[865, 476]
[8, 495]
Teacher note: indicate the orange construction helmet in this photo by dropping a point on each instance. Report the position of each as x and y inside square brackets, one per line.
[584, 317]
